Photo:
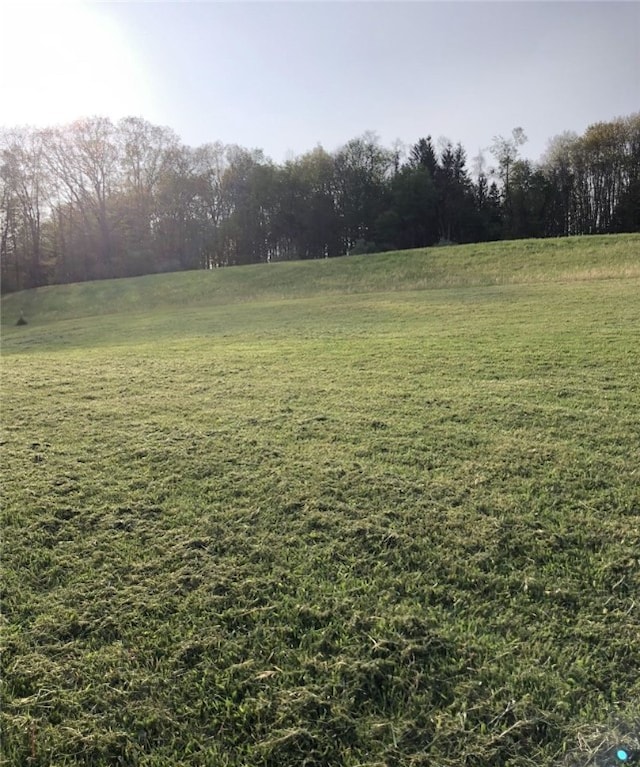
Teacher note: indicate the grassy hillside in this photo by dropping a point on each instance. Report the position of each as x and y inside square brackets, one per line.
[485, 264]
[252, 517]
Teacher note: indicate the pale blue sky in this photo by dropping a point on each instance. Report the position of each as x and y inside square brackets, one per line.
[285, 76]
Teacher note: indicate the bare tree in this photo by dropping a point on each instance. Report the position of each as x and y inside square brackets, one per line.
[506, 150]
[24, 189]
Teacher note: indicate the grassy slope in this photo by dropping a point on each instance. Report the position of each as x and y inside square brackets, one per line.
[523, 261]
[250, 518]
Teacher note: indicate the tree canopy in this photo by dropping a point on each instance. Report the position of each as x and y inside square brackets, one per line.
[98, 199]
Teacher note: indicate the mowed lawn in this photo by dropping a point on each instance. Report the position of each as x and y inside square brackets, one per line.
[253, 518]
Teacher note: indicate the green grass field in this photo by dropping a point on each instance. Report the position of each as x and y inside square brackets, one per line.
[378, 510]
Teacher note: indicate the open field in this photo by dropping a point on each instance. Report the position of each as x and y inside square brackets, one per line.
[380, 510]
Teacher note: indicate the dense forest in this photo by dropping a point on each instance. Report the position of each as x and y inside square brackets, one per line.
[98, 199]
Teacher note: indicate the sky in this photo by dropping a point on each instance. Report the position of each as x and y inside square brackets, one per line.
[287, 76]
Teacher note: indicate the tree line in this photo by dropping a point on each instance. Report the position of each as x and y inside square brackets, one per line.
[97, 199]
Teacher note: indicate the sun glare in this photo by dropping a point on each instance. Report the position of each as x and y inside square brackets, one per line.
[62, 61]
